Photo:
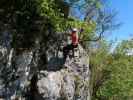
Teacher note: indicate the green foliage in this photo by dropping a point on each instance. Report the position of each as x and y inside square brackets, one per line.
[124, 47]
[87, 27]
[21, 16]
[99, 61]
[117, 83]
[120, 84]
[30, 19]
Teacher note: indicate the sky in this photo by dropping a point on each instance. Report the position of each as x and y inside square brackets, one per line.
[124, 9]
[125, 16]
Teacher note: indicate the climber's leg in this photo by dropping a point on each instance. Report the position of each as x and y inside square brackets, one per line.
[73, 47]
[72, 50]
[65, 52]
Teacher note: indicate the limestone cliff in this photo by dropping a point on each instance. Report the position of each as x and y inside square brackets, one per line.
[24, 77]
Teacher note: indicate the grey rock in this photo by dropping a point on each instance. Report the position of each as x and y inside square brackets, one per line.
[56, 82]
[70, 83]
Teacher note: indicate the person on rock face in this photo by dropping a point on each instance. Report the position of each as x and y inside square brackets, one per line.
[74, 43]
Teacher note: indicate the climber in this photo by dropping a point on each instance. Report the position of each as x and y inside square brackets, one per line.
[74, 43]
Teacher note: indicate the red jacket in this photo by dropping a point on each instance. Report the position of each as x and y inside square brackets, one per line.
[74, 38]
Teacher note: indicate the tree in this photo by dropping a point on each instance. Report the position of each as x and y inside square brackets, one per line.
[99, 62]
[30, 19]
[125, 47]
[104, 18]
[119, 86]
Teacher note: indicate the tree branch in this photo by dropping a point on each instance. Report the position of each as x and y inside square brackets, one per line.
[98, 38]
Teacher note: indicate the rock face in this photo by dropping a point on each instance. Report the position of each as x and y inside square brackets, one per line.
[14, 72]
[20, 77]
[56, 85]
[69, 83]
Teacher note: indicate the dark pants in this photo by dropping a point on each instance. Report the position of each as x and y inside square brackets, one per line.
[66, 50]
